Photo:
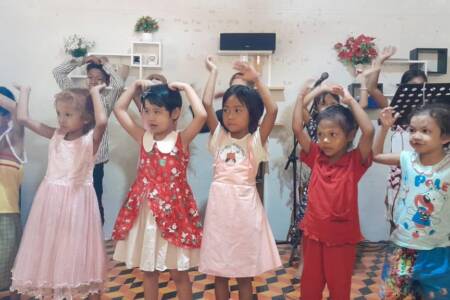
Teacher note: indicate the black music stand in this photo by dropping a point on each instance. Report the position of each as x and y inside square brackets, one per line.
[411, 96]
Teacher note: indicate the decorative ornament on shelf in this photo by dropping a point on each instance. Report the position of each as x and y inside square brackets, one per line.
[77, 46]
[147, 25]
[357, 51]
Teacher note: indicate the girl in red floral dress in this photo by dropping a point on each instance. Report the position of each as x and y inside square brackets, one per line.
[158, 227]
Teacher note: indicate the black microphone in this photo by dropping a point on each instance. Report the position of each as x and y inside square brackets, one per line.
[322, 78]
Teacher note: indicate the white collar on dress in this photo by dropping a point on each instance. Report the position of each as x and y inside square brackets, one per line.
[165, 145]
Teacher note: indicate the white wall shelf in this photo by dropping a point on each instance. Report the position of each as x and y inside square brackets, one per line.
[148, 53]
[406, 61]
[144, 55]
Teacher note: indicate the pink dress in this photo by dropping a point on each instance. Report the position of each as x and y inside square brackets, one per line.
[237, 239]
[62, 255]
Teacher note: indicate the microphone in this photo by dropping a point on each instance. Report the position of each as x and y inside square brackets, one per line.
[322, 78]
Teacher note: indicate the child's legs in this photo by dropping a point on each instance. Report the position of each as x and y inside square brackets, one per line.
[338, 262]
[313, 277]
[98, 186]
[397, 276]
[432, 273]
[245, 288]
[221, 290]
[10, 233]
[151, 287]
[183, 284]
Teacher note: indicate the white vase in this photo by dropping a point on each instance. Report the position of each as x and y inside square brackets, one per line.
[147, 36]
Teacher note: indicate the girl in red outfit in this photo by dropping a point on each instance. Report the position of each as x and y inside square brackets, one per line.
[159, 226]
[331, 223]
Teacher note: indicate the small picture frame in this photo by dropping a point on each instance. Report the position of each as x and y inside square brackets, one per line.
[151, 60]
[136, 60]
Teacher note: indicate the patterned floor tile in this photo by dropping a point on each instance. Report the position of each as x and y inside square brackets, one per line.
[282, 283]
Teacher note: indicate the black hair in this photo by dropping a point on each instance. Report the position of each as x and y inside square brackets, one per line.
[7, 93]
[411, 74]
[161, 95]
[322, 96]
[340, 114]
[439, 111]
[99, 67]
[252, 101]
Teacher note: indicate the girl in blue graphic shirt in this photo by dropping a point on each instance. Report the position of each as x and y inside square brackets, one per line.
[420, 265]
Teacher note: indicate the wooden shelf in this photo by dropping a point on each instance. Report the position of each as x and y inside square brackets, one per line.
[276, 88]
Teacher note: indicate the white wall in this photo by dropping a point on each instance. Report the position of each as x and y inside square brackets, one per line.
[32, 34]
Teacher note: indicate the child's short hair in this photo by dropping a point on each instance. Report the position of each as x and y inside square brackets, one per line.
[99, 67]
[7, 93]
[82, 100]
[252, 101]
[439, 111]
[161, 95]
[340, 114]
[411, 74]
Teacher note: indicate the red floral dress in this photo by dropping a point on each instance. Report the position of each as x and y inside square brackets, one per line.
[161, 183]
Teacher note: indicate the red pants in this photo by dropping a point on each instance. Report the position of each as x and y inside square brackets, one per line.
[332, 265]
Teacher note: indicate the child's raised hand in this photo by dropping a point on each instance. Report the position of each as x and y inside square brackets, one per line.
[347, 98]
[21, 87]
[180, 86]
[386, 54]
[92, 59]
[249, 73]
[143, 84]
[388, 116]
[97, 88]
[306, 87]
[210, 65]
[103, 60]
[362, 75]
[337, 90]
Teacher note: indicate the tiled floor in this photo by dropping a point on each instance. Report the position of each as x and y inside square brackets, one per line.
[280, 284]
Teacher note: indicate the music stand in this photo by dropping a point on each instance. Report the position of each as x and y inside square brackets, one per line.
[409, 97]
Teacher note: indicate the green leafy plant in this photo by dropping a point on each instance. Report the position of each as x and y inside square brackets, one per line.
[77, 46]
[146, 24]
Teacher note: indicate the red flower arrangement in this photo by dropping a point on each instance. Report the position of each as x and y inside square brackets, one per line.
[359, 50]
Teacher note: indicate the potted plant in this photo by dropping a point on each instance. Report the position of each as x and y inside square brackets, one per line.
[77, 46]
[357, 51]
[147, 25]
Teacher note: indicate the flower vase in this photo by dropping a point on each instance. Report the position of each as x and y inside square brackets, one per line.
[80, 52]
[147, 36]
[359, 69]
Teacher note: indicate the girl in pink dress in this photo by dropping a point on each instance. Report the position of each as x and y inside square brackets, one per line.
[237, 239]
[159, 227]
[61, 255]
